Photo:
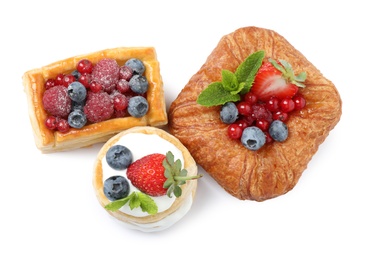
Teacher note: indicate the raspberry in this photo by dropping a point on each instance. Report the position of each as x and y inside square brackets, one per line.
[106, 72]
[57, 102]
[98, 107]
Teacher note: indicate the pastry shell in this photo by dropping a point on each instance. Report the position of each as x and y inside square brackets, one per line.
[275, 168]
[52, 141]
[150, 222]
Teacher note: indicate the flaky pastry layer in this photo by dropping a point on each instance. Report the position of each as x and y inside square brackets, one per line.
[52, 141]
[276, 168]
[188, 189]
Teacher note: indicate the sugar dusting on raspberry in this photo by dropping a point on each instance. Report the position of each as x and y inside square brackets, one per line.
[98, 107]
[57, 102]
[106, 72]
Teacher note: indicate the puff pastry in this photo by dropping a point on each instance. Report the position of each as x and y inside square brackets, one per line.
[273, 170]
[52, 141]
[180, 206]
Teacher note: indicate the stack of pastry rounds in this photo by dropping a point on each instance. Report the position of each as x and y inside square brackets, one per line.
[53, 141]
[275, 169]
[180, 205]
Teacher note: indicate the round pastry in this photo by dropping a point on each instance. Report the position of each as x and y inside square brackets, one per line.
[268, 158]
[146, 209]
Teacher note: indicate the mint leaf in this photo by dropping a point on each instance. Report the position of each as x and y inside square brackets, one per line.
[135, 199]
[215, 95]
[229, 80]
[147, 204]
[117, 204]
[247, 70]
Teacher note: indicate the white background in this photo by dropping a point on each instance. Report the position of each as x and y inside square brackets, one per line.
[48, 207]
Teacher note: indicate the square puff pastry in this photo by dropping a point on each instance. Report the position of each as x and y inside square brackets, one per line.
[276, 168]
[52, 141]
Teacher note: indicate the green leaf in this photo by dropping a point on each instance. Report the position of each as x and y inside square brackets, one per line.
[134, 201]
[229, 80]
[247, 70]
[215, 95]
[147, 204]
[177, 191]
[117, 204]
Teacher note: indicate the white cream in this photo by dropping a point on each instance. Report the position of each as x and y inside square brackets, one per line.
[141, 145]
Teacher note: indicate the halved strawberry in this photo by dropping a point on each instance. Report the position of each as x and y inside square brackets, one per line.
[158, 174]
[277, 79]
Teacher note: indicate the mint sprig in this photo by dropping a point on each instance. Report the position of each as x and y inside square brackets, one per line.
[176, 176]
[232, 84]
[135, 200]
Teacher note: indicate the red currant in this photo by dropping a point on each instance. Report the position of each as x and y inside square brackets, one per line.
[244, 108]
[243, 123]
[234, 131]
[68, 79]
[123, 86]
[85, 80]
[262, 124]
[59, 79]
[85, 66]
[272, 104]
[95, 87]
[125, 72]
[299, 102]
[280, 115]
[251, 98]
[49, 83]
[51, 122]
[63, 126]
[268, 137]
[286, 105]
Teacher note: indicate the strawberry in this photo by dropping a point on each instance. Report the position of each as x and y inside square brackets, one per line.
[276, 79]
[157, 174]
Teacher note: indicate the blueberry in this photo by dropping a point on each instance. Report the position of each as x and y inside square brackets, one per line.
[76, 74]
[278, 131]
[116, 187]
[137, 106]
[138, 84]
[76, 91]
[136, 65]
[253, 138]
[77, 118]
[229, 113]
[119, 157]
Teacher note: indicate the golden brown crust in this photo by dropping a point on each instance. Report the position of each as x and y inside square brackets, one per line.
[276, 168]
[188, 189]
[52, 141]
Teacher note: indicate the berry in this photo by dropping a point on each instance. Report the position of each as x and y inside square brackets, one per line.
[119, 157]
[59, 79]
[106, 73]
[136, 65]
[244, 108]
[272, 104]
[229, 113]
[95, 87]
[68, 79]
[299, 102]
[276, 79]
[125, 72]
[123, 86]
[278, 131]
[280, 115]
[120, 102]
[77, 91]
[253, 138]
[137, 106]
[76, 74]
[62, 125]
[85, 66]
[138, 84]
[49, 83]
[98, 107]
[85, 80]
[51, 122]
[286, 105]
[234, 131]
[116, 187]
[147, 174]
[251, 98]
[262, 124]
[259, 111]
[77, 119]
[57, 102]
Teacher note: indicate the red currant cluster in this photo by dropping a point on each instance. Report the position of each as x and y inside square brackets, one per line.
[253, 112]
